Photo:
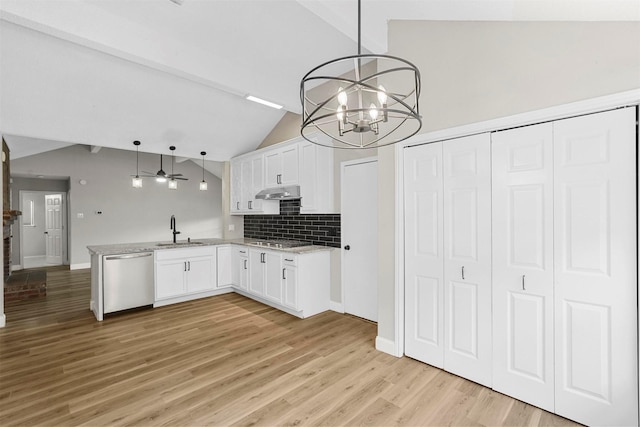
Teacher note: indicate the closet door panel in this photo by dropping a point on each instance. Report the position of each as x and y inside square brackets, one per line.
[467, 257]
[522, 227]
[424, 298]
[595, 268]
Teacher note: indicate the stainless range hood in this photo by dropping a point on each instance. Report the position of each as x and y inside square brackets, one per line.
[280, 193]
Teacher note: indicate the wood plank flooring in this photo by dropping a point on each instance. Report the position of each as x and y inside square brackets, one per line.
[224, 360]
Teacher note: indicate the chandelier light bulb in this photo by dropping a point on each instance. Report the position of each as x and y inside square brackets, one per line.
[342, 97]
[382, 95]
[203, 185]
[339, 112]
[136, 182]
[173, 184]
[373, 112]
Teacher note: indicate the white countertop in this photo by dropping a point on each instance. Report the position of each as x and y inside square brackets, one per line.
[125, 248]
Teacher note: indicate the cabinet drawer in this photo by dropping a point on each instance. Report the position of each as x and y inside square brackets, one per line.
[290, 260]
[190, 252]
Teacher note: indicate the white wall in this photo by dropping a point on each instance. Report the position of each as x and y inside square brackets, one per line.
[128, 214]
[476, 71]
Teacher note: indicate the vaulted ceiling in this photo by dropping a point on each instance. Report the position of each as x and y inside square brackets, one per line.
[176, 72]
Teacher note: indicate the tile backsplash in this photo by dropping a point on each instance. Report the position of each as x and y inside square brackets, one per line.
[317, 229]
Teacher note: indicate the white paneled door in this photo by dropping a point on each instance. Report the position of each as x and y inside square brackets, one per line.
[467, 257]
[53, 228]
[424, 254]
[522, 191]
[596, 361]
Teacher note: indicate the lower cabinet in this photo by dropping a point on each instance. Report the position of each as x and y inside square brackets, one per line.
[225, 266]
[295, 283]
[183, 272]
[264, 274]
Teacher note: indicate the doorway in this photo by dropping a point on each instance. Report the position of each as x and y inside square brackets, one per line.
[43, 229]
[359, 217]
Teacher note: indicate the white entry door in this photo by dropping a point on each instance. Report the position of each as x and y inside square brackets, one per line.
[424, 254]
[596, 349]
[359, 219]
[53, 228]
[467, 257]
[522, 191]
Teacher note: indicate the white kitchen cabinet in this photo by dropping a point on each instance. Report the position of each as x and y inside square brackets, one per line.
[316, 178]
[247, 179]
[236, 186]
[264, 274]
[281, 166]
[294, 162]
[241, 267]
[225, 266]
[185, 271]
[290, 281]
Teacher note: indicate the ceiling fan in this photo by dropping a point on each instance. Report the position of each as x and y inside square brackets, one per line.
[161, 175]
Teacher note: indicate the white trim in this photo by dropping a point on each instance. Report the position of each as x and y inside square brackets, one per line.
[3, 320]
[622, 99]
[80, 266]
[343, 165]
[336, 306]
[16, 267]
[386, 346]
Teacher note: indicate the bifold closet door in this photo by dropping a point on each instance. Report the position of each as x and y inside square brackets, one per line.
[424, 298]
[467, 257]
[596, 359]
[522, 193]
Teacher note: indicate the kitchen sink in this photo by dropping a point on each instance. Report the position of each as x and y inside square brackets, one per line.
[179, 243]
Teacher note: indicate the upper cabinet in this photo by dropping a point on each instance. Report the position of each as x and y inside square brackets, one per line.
[295, 162]
[281, 166]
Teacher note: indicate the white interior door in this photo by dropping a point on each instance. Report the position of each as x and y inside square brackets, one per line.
[359, 219]
[424, 258]
[53, 228]
[467, 257]
[522, 214]
[595, 269]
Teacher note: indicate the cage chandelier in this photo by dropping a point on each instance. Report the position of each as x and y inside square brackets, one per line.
[361, 110]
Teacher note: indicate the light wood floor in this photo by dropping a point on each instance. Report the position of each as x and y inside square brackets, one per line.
[225, 360]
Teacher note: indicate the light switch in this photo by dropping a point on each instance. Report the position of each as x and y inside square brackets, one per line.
[232, 227]
[80, 215]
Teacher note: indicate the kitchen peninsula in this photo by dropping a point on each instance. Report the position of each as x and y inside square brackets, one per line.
[289, 275]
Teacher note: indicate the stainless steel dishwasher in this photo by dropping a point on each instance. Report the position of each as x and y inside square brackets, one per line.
[127, 281]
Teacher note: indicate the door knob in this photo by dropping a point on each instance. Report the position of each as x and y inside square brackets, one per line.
[46, 232]
[346, 248]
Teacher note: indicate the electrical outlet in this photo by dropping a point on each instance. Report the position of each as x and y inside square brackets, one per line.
[80, 215]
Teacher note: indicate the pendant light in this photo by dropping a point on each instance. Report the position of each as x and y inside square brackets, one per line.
[173, 183]
[136, 181]
[377, 106]
[203, 183]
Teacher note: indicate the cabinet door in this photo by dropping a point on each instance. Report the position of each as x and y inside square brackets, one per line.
[236, 186]
[595, 258]
[257, 184]
[273, 276]
[170, 278]
[522, 190]
[225, 266]
[290, 287]
[246, 194]
[201, 274]
[243, 281]
[256, 272]
[240, 268]
[424, 299]
[272, 168]
[467, 257]
[308, 177]
[289, 171]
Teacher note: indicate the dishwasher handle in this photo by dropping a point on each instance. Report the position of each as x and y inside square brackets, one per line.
[130, 256]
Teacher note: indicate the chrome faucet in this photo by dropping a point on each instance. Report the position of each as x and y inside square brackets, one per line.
[173, 227]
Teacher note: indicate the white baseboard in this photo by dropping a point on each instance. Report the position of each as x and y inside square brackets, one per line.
[91, 305]
[3, 320]
[16, 267]
[80, 266]
[336, 306]
[386, 346]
